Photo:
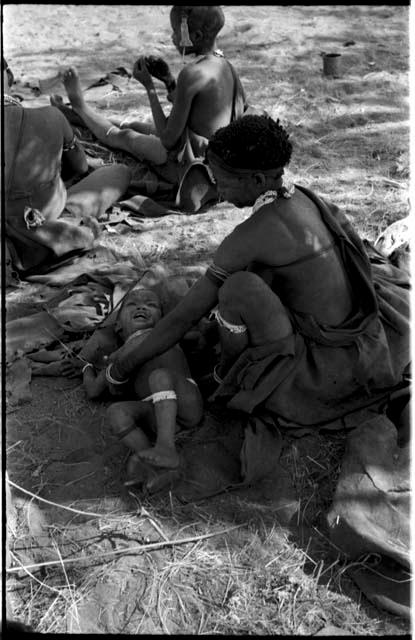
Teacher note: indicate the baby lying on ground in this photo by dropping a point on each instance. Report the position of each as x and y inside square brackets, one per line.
[165, 395]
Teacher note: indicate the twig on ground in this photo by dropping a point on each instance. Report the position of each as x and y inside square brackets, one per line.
[143, 548]
[55, 504]
[26, 570]
[88, 475]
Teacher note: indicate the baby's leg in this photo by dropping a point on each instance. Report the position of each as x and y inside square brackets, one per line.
[129, 421]
[174, 397]
[126, 420]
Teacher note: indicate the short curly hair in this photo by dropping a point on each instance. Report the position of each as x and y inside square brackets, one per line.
[209, 19]
[252, 142]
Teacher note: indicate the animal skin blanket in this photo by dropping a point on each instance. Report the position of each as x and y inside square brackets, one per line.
[370, 515]
[319, 374]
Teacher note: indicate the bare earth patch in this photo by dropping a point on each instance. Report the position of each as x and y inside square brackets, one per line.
[120, 563]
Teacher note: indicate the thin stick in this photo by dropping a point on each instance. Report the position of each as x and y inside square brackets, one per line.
[145, 547]
[71, 351]
[55, 504]
[25, 569]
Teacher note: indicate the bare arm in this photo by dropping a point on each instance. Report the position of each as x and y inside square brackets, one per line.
[189, 83]
[200, 299]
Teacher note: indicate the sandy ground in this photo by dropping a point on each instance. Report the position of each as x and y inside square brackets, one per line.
[351, 145]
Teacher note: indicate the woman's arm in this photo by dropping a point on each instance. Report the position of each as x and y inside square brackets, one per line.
[201, 298]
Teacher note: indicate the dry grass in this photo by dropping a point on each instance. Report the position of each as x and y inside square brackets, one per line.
[351, 146]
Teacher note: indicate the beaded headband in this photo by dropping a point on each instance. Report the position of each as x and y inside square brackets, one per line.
[238, 171]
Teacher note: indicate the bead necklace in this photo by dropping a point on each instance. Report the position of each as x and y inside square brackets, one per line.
[270, 196]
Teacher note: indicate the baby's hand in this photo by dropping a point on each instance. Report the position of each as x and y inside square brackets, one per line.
[71, 367]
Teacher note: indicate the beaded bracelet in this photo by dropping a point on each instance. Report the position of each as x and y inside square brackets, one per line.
[88, 364]
[109, 377]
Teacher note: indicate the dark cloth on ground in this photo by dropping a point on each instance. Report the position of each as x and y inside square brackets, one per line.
[370, 514]
[319, 374]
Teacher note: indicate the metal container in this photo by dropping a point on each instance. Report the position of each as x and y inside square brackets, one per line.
[331, 64]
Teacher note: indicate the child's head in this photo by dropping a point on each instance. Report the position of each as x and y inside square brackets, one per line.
[140, 309]
[203, 23]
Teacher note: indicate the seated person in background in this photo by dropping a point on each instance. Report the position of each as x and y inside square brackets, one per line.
[314, 325]
[165, 395]
[44, 221]
[208, 95]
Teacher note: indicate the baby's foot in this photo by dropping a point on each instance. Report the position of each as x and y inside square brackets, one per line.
[161, 456]
[73, 88]
[136, 472]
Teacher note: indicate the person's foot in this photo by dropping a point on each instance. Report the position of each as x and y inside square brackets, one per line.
[56, 100]
[161, 456]
[72, 84]
[136, 472]
[73, 118]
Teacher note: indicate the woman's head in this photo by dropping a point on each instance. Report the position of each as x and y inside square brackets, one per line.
[248, 157]
[203, 24]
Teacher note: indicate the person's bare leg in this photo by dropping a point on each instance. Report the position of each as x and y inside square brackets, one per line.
[123, 122]
[124, 419]
[164, 453]
[253, 315]
[98, 124]
[93, 195]
[139, 145]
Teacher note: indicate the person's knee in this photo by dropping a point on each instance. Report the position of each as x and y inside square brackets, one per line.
[240, 289]
[160, 379]
[118, 417]
[118, 175]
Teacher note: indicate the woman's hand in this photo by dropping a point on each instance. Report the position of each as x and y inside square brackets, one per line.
[141, 73]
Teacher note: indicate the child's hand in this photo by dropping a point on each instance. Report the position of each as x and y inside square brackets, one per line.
[71, 367]
[141, 74]
[159, 69]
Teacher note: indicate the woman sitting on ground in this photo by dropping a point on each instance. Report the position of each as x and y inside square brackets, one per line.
[310, 328]
[44, 221]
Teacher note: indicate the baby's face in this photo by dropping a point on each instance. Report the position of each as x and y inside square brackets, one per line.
[141, 310]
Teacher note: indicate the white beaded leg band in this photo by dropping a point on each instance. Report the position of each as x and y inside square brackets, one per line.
[159, 396]
[233, 328]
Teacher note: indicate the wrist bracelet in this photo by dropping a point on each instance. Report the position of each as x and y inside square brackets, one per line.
[85, 367]
[109, 377]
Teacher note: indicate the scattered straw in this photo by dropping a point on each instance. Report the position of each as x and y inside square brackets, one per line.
[141, 549]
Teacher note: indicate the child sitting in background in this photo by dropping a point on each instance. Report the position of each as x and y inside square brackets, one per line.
[165, 395]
